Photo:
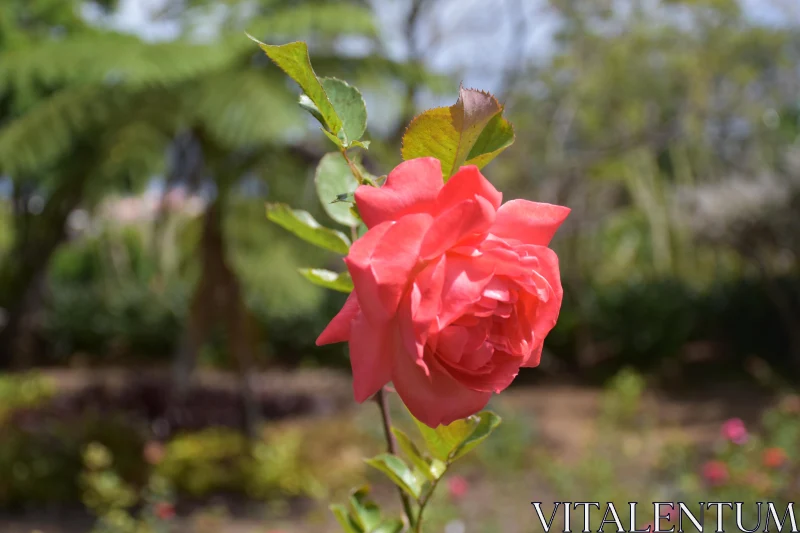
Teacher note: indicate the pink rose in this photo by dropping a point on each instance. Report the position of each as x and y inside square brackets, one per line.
[715, 472]
[774, 457]
[458, 487]
[164, 511]
[734, 430]
[453, 292]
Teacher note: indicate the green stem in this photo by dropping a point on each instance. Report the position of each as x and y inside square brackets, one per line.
[353, 168]
[382, 400]
[424, 502]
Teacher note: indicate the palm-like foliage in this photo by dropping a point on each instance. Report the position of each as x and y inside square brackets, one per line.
[199, 110]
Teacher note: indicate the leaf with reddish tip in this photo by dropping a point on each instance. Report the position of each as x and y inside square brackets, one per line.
[472, 131]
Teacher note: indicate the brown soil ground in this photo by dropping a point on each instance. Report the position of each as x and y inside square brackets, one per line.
[565, 418]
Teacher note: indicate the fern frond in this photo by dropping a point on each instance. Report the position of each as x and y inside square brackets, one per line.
[110, 59]
[137, 149]
[243, 108]
[36, 139]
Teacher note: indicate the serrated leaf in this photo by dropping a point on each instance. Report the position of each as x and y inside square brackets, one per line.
[451, 134]
[413, 454]
[293, 59]
[398, 471]
[341, 282]
[349, 106]
[334, 178]
[389, 526]
[365, 512]
[302, 224]
[344, 519]
[448, 443]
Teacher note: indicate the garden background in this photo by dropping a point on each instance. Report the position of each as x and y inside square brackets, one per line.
[140, 140]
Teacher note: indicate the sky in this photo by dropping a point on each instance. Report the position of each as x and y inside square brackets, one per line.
[476, 41]
[480, 34]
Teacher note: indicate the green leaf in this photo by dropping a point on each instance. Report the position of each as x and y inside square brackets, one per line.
[306, 103]
[448, 443]
[413, 453]
[341, 282]
[293, 59]
[344, 519]
[347, 197]
[389, 526]
[398, 471]
[438, 468]
[349, 106]
[487, 423]
[333, 179]
[367, 513]
[360, 144]
[452, 134]
[336, 140]
[302, 224]
[495, 137]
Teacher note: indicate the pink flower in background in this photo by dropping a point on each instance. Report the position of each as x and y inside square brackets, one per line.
[458, 487]
[165, 511]
[734, 431]
[715, 472]
[774, 457]
[454, 291]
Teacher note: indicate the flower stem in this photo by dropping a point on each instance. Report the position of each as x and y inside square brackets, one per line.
[424, 501]
[353, 168]
[391, 444]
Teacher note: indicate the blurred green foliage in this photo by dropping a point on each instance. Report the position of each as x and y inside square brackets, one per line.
[41, 466]
[644, 120]
[23, 391]
[44, 466]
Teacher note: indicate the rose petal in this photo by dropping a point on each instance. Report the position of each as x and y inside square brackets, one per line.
[430, 283]
[547, 312]
[464, 282]
[529, 222]
[338, 330]
[450, 343]
[495, 377]
[435, 399]
[464, 185]
[535, 357]
[457, 223]
[370, 358]
[411, 187]
[381, 268]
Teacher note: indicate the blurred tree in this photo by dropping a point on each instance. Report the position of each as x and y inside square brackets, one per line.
[641, 101]
[37, 218]
[207, 111]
